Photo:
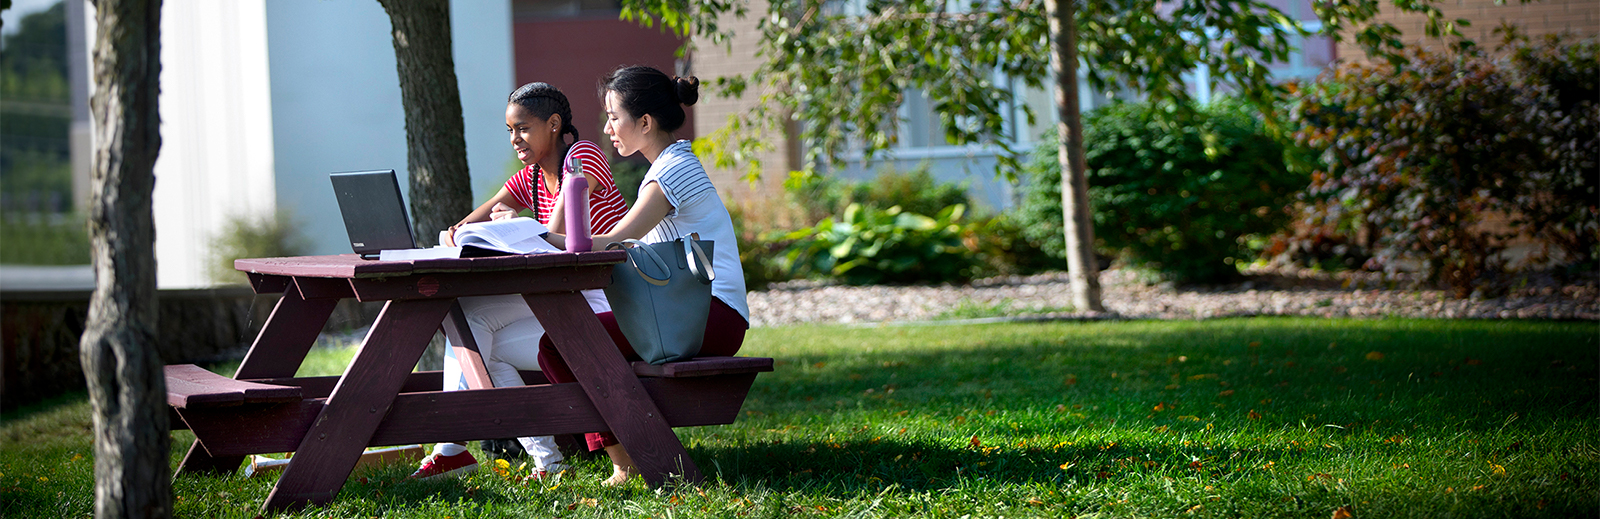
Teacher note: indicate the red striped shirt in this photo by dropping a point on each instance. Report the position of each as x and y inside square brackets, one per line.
[606, 206]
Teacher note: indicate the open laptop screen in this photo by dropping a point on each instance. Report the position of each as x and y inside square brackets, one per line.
[374, 213]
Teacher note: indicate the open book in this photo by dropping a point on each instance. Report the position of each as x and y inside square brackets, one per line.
[481, 239]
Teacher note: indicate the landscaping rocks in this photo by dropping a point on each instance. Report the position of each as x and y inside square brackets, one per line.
[1049, 296]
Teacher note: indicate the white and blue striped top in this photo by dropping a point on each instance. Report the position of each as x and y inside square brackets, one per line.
[696, 208]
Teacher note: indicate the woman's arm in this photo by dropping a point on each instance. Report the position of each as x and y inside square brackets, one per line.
[558, 214]
[481, 214]
[651, 208]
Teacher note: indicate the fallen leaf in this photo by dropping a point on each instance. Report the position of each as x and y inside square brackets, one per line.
[1374, 355]
[1226, 392]
[1498, 470]
[1343, 512]
[1254, 415]
[975, 443]
[1473, 362]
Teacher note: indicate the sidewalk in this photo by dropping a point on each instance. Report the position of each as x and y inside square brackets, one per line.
[38, 278]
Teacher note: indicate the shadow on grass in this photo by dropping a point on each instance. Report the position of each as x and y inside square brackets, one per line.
[1259, 372]
[852, 467]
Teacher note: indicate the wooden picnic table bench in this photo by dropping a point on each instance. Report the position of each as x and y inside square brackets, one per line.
[379, 401]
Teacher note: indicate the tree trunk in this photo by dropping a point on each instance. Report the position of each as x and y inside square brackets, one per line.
[1077, 220]
[436, 146]
[126, 387]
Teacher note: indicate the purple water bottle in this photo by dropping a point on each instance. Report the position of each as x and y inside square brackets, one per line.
[573, 189]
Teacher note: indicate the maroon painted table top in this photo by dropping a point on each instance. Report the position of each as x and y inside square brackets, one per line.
[352, 266]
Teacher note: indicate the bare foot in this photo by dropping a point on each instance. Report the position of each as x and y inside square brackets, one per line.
[622, 466]
[620, 475]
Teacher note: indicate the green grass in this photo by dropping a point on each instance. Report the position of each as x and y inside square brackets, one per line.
[966, 308]
[1262, 417]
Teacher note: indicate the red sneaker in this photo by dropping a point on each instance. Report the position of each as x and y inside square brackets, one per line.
[436, 465]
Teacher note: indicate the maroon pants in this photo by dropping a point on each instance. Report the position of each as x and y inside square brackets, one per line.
[724, 334]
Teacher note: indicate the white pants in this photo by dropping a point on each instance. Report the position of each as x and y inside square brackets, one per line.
[508, 336]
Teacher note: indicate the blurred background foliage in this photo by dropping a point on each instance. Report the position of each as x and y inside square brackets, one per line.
[254, 237]
[1183, 200]
[1462, 165]
[1462, 169]
[38, 225]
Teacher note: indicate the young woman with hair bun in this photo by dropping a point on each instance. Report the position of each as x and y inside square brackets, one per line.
[538, 118]
[643, 108]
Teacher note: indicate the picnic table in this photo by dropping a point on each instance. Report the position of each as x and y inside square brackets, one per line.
[378, 401]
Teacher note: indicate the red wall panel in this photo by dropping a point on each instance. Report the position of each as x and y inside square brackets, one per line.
[575, 53]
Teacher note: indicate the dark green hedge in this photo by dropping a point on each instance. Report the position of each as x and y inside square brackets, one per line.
[1180, 199]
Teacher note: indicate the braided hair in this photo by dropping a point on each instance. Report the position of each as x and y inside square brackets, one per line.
[543, 100]
[644, 90]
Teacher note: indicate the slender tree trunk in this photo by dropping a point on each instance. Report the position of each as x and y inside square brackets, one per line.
[126, 387]
[436, 146]
[1077, 220]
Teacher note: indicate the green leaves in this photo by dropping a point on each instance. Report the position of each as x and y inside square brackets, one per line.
[1423, 154]
[867, 246]
[1180, 199]
[844, 69]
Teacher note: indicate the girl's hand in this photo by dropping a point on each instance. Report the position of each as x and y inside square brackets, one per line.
[450, 237]
[502, 212]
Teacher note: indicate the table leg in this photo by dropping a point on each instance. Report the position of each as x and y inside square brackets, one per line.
[359, 402]
[609, 382]
[278, 350]
[459, 332]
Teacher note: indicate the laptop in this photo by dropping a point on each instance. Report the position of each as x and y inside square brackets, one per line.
[374, 213]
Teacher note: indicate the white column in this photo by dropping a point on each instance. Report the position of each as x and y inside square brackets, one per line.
[216, 158]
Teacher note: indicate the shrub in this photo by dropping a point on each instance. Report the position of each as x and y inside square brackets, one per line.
[1004, 249]
[1181, 200]
[915, 191]
[868, 246]
[43, 239]
[760, 242]
[246, 237]
[1426, 153]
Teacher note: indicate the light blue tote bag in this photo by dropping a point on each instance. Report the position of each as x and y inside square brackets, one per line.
[661, 296]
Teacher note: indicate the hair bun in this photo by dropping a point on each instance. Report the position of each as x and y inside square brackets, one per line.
[688, 89]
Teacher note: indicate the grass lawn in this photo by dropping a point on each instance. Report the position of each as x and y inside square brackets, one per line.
[1263, 417]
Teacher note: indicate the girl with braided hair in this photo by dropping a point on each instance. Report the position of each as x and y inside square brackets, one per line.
[539, 118]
